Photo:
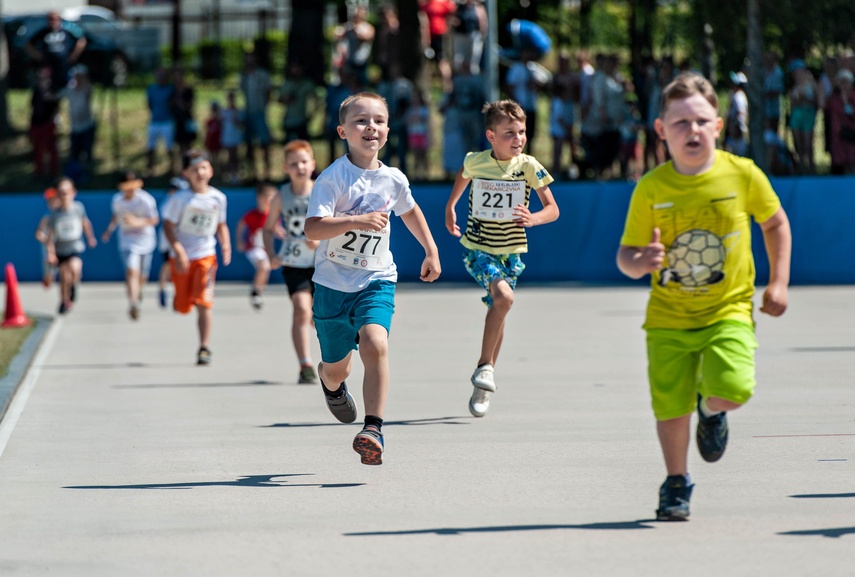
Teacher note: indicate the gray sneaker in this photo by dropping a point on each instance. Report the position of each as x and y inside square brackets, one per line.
[343, 406]
[307, 376]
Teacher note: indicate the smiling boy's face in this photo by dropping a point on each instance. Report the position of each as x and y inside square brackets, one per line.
[690, 127]
[366, 126]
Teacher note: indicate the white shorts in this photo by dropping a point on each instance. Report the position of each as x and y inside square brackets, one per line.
[158, 130]
[257, 255]
[139, 262]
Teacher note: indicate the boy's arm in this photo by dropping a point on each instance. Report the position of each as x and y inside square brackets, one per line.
[42, 230]
[778, 239]
[89, 232]
[549, 212]
[327, 227]
[416, 223]
[637, 261]
[460, 184]
[269, 230]
[111, 226]
[240, 234]
[181, 261]
[225, 242]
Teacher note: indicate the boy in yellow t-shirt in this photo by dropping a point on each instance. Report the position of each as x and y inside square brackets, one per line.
[502, 179]
[689, 226]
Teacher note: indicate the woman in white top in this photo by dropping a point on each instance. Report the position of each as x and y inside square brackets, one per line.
[135, 215]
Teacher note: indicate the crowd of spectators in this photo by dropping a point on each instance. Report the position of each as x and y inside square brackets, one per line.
[600, 111]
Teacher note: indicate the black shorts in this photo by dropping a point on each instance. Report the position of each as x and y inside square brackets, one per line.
[66, 258]
[298, 279]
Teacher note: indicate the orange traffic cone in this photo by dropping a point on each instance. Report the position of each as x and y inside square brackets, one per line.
[14, 316]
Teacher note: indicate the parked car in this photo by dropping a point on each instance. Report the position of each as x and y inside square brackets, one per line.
[106, 55]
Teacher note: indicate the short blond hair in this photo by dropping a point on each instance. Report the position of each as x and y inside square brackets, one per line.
[685, 85]
[345, 106]
[495, 112]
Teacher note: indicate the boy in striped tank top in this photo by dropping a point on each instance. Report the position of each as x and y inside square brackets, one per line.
[501, 179]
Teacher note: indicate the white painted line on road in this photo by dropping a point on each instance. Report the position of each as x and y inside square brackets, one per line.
[16, 407]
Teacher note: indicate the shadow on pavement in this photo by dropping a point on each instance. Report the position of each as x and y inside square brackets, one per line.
[825, 496]
[248, 481]
[259, 383]
[832, 533]
[614, 526]
[430, 421]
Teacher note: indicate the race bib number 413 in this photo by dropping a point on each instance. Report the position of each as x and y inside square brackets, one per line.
[496, 199]
[362, 249]
[198, 222]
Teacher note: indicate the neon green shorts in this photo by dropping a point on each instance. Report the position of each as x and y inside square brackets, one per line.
[716, 361]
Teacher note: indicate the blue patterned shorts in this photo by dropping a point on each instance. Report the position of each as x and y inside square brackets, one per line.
[485, 268]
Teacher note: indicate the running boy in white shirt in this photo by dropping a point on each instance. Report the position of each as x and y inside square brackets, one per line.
[354, 272]
[193, 221]
[135, 215]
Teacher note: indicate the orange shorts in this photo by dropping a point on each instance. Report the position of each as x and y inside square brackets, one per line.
[196, 286]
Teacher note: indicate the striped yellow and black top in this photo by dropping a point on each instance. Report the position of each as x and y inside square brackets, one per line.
[493, 232]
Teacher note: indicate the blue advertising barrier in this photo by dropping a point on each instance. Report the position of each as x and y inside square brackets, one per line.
[579, 247]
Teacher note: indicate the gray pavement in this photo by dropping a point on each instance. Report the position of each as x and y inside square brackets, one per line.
[119, 456]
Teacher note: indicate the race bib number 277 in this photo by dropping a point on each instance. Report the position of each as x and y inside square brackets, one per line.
[362, 249]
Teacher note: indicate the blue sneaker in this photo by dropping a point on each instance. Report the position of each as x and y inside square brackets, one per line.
[674, 496]
[162, 299]
[369, 444]
[711, 435]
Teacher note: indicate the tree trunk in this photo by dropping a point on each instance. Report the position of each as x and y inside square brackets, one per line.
[306, 40]
[585, 7]
[756, 114]
[411, 45]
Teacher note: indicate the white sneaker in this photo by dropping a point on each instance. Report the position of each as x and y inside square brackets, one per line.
[479, 404]
[485, 386]
[482, 378]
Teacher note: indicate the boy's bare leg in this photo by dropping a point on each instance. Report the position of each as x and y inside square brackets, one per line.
[333, 374]
[494, 325]
[66, 278]
[262, 275]
[674, 439]
[374, 351]
[205, 322]
[301, 322]
[132, 281]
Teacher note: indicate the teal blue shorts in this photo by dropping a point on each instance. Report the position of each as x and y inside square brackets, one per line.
[339, 315]
[715, 361]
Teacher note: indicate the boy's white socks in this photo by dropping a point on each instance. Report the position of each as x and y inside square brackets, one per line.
[705, 409]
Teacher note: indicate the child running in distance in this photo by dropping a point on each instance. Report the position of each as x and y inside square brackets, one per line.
[135, 215]
[42, 233]
[249, 236]
[67, 226]
[297, 254]
[194, 220]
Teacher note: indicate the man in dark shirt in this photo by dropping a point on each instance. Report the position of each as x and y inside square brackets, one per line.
[58, 45]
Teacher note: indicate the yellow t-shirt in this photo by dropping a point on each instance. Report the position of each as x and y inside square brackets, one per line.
[497, 186]
[705, 221]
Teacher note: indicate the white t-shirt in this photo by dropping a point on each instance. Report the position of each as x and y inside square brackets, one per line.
[142, 205]
[345, 189]
[197, 216]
